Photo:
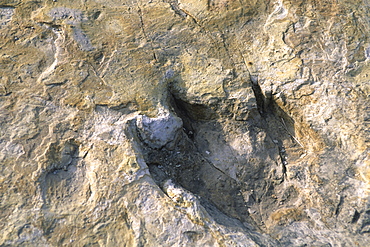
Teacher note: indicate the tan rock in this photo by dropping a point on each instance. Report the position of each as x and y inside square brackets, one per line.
[184, 123]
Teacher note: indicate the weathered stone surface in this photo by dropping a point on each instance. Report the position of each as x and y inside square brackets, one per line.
[159, 131]
[184, 123]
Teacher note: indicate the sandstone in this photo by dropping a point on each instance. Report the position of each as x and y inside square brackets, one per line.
[184, 123]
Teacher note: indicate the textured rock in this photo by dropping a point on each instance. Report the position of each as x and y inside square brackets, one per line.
[184, 123]
[159, 131]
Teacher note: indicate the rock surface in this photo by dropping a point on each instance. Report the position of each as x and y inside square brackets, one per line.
[184, 123]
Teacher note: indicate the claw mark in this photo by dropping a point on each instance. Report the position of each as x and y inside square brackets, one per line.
[58, 51]
[286, 128]
[279, 13]
[175, 7]
[102, 73]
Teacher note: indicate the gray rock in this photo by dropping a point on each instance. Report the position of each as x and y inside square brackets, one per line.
[159, 131]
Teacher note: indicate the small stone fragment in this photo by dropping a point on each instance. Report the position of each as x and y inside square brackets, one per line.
[157, 132]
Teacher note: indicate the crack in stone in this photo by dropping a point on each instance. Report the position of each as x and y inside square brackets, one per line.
[140, 13]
